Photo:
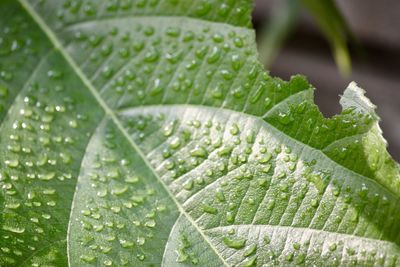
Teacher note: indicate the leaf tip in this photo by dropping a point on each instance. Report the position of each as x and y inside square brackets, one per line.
[354, 98]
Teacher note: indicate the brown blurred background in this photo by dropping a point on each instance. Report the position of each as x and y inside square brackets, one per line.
[377, 26]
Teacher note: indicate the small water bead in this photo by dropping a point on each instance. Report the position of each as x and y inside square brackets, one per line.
[141, 257]
[363, 192]
[115, 209]
[236, 243]
[220, 195]
[88, 258]
[234, 130]
[152, 55]
[14, 148]
[51, 203]
[175, 143]
[266, 168]
[251, 201]
[300, 258]
[104, 249]
[12, 205]
[332, 247]
[350, 251]
[66, 158]
[199, 151]
[296, 246]
[119, 190]
[108, 262]
[188, 185]
[113, 174]
[120, 225]
[46, 176]
[54, 74]
[270, 204]
[265, 158]
[215, 55]
[209, 209]
[12, 163]
[150, 223]
[169, 129]
[289, 256]
[238, 92]
[107, 72]
[236, 62]
[126, 244]
[354, 216]
[140, 241]
[230, 218]
[228, 75]
[161, 208]
[250, 250]
[238, 42]
[132, 179]
[13, 229]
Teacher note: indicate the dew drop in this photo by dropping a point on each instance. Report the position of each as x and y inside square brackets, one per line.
[236, 243]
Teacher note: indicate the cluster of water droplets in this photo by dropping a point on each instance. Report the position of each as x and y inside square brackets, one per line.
[40, 138]
[122, 214]
[151, 62]
[44, 130]
[228, 169]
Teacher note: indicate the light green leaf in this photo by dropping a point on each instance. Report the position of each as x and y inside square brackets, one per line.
[146, 133]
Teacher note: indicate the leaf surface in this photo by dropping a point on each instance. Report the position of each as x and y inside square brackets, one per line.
[146, 133]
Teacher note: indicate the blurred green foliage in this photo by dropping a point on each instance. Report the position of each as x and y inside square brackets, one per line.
[327, 17]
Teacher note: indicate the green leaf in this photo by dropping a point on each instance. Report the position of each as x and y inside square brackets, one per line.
[147, 133]
[334, 26]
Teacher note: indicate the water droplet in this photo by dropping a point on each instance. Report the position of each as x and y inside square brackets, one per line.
[234, 129]
[250, 250]
[13, 205]
[126, 244]
[220, 195]
[150, 223]
[209, 209]
[175, 143]
[47, 176]
[332, 247]
[140, 240]
[108, 262]
[88, 258]
[214, 56]
[236, 62]
[141, 257]
[14, 229]
[119, 190]
[199, 151]
[12, 163]
[236, 243]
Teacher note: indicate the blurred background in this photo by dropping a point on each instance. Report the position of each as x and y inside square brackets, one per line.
[310, 37]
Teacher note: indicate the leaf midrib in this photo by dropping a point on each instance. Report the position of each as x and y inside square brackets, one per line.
[58, 46]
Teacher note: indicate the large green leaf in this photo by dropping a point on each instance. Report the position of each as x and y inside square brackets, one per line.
[146, 133]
